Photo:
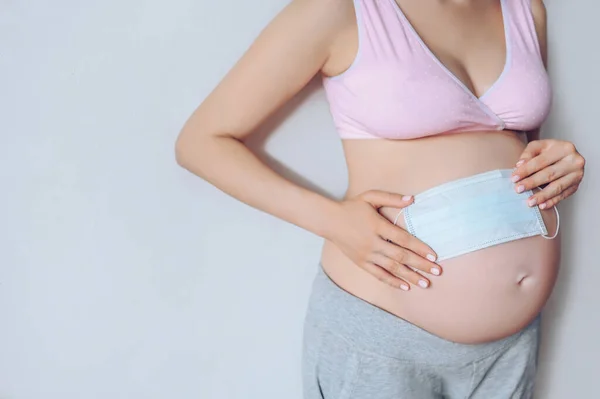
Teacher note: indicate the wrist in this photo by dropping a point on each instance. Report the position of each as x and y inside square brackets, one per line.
[327, 218]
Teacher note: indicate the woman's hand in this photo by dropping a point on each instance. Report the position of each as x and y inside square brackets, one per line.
[384, 250]
[554, 163]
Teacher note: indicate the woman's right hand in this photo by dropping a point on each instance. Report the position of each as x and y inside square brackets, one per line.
[381, 248]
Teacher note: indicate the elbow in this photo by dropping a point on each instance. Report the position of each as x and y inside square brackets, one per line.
[181, 150]
[186, 149]
[193, 150]
[196, 150]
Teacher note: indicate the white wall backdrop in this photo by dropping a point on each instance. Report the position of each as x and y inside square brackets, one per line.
[123, 276]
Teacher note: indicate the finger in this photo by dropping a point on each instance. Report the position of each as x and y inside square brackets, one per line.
[544, 176]
[402, 238]
[552, 190]
[385, 277]
[535, 164]
[533, 149]
[546, 152]
[408, 258]
[378, 199]
[400, 270]
[555, 200]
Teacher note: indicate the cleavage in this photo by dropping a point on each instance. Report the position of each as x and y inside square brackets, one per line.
[467, 40]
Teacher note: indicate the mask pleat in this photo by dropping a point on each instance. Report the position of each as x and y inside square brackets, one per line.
[472, 216]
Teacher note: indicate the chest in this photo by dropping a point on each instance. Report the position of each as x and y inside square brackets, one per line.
[469, 40]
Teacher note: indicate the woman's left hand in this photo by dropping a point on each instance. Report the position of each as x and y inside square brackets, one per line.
[554, 163]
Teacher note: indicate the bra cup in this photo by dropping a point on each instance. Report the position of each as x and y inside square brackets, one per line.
[396, 103]
[395, 89]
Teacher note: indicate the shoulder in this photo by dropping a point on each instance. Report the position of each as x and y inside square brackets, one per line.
[335, 14]
[328, 22]
[310, 25]
[332, 10]
[538, 10]
[324, 18]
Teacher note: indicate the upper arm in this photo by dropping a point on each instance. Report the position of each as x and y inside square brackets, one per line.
[538, 10]
[285, 56]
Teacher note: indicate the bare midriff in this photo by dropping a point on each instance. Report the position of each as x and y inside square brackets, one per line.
[482, 296]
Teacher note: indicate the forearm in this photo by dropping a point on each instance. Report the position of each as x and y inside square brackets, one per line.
[230, 166]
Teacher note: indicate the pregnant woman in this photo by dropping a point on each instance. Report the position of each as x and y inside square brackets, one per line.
[441, 255]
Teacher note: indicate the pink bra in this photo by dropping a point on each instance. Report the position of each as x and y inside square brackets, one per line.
[396, 88]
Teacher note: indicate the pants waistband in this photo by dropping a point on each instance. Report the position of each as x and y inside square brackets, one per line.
[370, 328]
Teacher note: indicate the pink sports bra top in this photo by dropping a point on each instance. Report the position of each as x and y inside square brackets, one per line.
[396, 88]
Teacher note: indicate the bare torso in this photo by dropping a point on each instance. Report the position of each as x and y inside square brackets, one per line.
[484, 295]
[481, 296]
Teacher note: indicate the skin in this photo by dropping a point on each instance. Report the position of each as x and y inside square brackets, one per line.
[364, 253]
[555, 164]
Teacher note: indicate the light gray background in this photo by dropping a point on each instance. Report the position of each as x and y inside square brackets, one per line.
[123, 276]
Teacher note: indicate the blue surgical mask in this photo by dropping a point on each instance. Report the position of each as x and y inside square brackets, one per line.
[473, 213]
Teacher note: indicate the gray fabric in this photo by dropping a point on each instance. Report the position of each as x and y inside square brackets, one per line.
[354, 350]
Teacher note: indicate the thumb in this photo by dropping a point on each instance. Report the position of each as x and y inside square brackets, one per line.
[533, 149]
[379, 198]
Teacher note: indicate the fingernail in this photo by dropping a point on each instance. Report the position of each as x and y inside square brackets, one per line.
[404, 287]
[521, 188]
[423, 283]
[406, 198]
[435, 271]
[521, 162]
[543, 206]
[532, 202]
[515, 178]
[430, 257]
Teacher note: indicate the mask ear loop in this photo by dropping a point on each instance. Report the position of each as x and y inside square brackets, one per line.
[557, 226]
[396, 221]
[397, 216]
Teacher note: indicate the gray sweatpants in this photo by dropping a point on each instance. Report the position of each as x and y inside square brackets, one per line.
[354, 350]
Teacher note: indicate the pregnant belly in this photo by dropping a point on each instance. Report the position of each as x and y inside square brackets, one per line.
[482, 296]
